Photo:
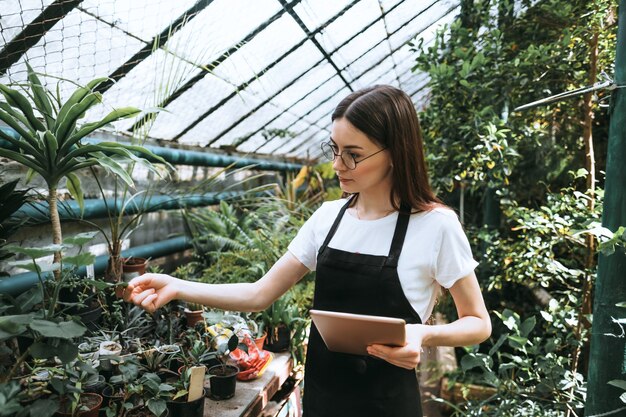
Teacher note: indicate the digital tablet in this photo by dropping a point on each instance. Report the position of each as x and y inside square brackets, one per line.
[352, 333]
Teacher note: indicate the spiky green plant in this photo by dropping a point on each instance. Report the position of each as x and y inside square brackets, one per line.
[49, 143]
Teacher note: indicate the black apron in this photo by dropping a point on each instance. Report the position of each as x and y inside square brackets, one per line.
[339, 384]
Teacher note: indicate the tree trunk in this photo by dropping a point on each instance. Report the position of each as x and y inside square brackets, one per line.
[55, 221]
[113, 272]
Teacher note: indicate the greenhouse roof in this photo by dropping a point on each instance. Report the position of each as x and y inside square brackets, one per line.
[258, 77]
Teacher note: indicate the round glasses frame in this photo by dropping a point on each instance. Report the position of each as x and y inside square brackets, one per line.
[348, 160]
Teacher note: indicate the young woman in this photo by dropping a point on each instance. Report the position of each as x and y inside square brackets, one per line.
[385, 250]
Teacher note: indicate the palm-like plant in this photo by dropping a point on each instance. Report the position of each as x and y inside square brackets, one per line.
[49, 144]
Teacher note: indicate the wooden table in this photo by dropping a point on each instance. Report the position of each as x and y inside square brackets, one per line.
[252, 396]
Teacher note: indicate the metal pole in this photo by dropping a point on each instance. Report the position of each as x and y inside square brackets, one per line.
[608, 342]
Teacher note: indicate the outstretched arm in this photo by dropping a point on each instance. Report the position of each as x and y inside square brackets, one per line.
[152, 291]
[473, 326]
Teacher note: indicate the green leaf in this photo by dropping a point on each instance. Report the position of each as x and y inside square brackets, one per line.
[112, 166]
[45, 407]
[619, 383]
[66, 126]
[157, 407]
[517, 341]
[527, 326]
[40, 97]
[42, 350]
[77, 96]
[29, 298]
[66, 351]
[75, 189]
[35, 253]
[14, 325]
[82, 259]
[80, 239]
[62, 330]
[18, 101]
[115, 115]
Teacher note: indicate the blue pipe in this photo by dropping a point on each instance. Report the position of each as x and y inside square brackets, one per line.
[187, 157]
[38, 212]
[19, 283]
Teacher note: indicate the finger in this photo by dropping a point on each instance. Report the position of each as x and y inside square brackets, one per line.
[149, 303]
[139, 298]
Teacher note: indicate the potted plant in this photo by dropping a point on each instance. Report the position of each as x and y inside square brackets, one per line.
[222, 377]
[50, 141]
[193, 313]
[73, 399]
[278, 319]
[188, 400]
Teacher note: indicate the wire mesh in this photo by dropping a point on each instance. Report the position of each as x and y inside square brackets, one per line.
[254, 77]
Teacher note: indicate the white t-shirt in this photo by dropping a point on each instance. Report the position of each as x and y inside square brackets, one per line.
[435, 252]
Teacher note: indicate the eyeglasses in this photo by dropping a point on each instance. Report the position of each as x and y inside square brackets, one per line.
[348, 158]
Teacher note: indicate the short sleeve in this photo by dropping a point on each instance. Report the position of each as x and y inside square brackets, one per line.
[453, 259]
[304, 246]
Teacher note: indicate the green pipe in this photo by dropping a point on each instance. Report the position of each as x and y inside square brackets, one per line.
[38, 212]
[194, 158]
[19, 283]
[608, 346]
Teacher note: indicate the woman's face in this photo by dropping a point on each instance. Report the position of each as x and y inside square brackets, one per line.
[370, 175]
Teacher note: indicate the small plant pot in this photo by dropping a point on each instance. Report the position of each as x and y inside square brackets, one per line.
[133, 267]
[193, 317]
[88, 399]
[95, 386]
[278, 339]
[222, 381]
[260, 341]
[193, 408]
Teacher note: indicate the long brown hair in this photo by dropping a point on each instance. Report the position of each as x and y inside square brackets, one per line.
[388, 117]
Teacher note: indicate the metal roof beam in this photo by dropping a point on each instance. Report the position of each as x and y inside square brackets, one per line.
[211, 66]
[450, 10]
[159, 40]
[263, 71]
[372, 23]
[34, 31]
[306, 30]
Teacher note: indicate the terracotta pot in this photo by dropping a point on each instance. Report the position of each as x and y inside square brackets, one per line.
[90, 400]
[193, 317]
[260, 341]
[133, 267]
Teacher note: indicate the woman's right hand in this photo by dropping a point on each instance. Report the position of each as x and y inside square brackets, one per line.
[152, 291]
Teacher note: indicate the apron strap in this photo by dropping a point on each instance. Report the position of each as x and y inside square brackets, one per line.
[335, 225]
[398, 236]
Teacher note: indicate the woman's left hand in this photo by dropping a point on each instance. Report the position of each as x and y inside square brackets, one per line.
[407, 356]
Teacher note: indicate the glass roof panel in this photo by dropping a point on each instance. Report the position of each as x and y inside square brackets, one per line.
[221, 119]
[344, 28]
[359, 45]
[143, 18]
[222, 25]
[78, 48]
[366, 61]
[207, 93]
[285, 71]
[318, 96]
[370, 76]
[428, 12]
[247, 63]
[16, 15]
[315, 12]
[305, 85]
[423, 26]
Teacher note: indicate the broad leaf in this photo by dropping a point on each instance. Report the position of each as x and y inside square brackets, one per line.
[62, 330]
[82, 259]
[80, 239]
[35, 252]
